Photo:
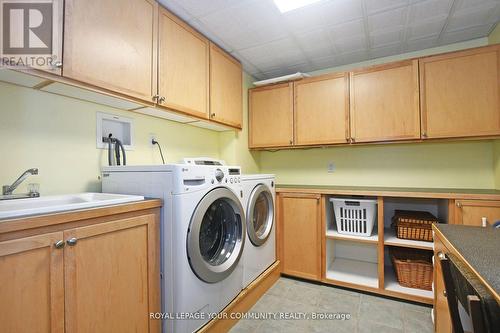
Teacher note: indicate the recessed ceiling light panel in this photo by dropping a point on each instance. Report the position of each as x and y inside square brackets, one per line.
[288, 5]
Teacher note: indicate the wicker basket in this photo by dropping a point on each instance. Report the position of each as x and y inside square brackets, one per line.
[413, 267]
[414, 225]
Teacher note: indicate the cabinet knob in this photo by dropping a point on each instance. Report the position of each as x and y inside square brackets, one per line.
[353, 140]
[441, 256]
[424, 135]
[444, 293]
[57, 64]
[212, 115]
[72, 241]
[155, 97]
[161, 100]
[59, 244]
[458, 204]
[291, 142]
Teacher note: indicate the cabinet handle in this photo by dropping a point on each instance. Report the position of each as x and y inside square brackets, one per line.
[59, 244]
[72, 241]
[458, 204]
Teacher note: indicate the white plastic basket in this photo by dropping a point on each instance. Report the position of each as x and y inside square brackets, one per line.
[355, 216]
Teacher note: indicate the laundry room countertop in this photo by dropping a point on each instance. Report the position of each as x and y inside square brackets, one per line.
[478, 248]
[9, 228]
[410, 192]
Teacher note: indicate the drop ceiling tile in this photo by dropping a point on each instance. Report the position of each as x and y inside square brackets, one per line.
[386, 38]
[420, 44]
[255, 37]
[339, 11]
[471, 17]
[346, 30]
[465, 4]
[315, 43]
[466, 34]
[428, 9]
[303, 20]
[356, 43]
[354, 57]
[426, 28]
[385, 51]
[388, 20]
[383, 5]
[326, 62]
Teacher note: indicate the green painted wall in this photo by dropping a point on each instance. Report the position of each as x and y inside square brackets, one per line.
[57, 135]
[494, 37]
[234, 145]
[459, 165]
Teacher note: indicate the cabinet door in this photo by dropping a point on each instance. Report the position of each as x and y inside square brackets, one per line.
[271, 116]
[442, 320]
[385, 103]
[111, 276]
[183, 66]
[32, 285]
[112, 45]
[225, 88]
[322, 110]
[460, 93]
[300, 235]
[471, 212]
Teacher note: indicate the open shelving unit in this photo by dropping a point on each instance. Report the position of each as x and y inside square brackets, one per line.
[353, 271]
[363, 262]
[392, 284]
[334, 234]
[391, 239]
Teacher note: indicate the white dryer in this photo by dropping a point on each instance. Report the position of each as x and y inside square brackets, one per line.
[203, 235]
[260, 246]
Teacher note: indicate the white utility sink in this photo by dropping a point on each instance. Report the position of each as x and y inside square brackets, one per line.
[60, 203]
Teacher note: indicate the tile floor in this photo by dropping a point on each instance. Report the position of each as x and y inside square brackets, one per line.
[368, 313]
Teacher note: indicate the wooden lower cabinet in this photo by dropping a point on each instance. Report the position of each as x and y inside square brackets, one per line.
[32, 285]
[442, 320]
[102, 277]
[300, 235]
[471, 212]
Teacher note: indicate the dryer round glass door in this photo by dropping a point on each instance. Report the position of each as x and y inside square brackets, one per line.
[216, 235]
[260, 215]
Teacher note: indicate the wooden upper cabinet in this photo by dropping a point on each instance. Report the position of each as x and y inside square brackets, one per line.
[183, 75]
[460, 93]
[226, 84]
[271, 116]
[300, 233]
[385, 102]
[322, 110]
[112, 45]
[112, 276]
[32, 285]
[471, 212]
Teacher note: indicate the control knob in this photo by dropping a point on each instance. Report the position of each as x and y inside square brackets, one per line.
[219, 175]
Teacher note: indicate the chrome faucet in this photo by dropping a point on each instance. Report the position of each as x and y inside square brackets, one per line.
[8, 189]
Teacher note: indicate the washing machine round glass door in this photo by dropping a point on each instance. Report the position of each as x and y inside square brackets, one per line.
[216, 235]
[260, 215]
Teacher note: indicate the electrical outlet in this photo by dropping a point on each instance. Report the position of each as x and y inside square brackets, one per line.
[151, 137]
[331, 167]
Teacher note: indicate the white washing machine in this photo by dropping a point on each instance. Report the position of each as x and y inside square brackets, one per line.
[203, 235]
[260, 246]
